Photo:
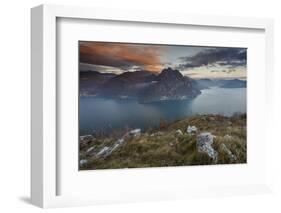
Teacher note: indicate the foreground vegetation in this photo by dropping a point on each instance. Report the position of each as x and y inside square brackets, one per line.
[169, 145]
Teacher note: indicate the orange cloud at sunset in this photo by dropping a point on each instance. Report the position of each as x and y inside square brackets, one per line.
[123, 56]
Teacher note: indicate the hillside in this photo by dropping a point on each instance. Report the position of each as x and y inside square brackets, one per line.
[148, 87]
[197, 140]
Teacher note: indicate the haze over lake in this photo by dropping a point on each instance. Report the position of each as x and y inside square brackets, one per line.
[102, 114]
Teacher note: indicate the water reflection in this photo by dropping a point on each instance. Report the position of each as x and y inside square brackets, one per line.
[99, 114]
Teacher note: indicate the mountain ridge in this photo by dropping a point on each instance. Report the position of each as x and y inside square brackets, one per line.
[169, 85]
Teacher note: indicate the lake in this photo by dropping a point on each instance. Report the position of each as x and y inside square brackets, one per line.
[100, 114]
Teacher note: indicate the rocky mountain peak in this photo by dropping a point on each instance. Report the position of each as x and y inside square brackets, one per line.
[170, 74]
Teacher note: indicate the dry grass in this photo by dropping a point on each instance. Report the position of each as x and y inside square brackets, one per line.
[163, 147]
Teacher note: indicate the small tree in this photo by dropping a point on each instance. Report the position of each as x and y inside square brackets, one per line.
[162, 123]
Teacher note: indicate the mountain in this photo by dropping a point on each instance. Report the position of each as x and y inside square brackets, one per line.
[206, 83]
[236, 83]
[90, 81]
[171, 85]
[142, 85]
[128, 84]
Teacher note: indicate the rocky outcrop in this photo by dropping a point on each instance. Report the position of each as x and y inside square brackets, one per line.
[135, 132]
[103, 152]
[178, 132]
[107, 150]
[171, 86]
[83, 162]
[191, 129]
[85, 140]
[204, 145]
[91, 149]
[215, 142]
[157, 134]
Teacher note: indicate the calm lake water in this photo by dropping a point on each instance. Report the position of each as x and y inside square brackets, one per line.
[98, 114]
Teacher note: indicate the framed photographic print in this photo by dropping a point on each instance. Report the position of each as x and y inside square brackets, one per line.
[149, 106]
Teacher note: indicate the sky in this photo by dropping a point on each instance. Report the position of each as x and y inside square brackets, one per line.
[193, 61]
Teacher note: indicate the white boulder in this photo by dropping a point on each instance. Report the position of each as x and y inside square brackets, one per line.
[178, 132]
[106, 151]
[103, 151]
[135, 132]
[90, 149]
[115, 146]
[83, 162]
[120, 141]
[204, 144]
[191, 129]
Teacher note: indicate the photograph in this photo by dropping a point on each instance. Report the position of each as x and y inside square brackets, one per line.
[161, 105]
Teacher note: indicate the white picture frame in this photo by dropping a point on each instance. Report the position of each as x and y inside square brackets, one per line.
[44, 154]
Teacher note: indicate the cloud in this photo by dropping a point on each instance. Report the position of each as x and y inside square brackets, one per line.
[99, 68]
[216, 57]
[122, 56]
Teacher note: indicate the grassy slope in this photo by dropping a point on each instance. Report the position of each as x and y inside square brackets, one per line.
[163, 147]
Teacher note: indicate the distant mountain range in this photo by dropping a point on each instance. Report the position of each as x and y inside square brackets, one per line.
[236, 83]
[147, 87]
[233, 83]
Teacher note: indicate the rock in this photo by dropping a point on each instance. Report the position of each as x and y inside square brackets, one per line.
[204, 144]
[135, 132]
[156, 134]
[85, 140]
[178, 132]
[120, 141]
[159, 133]
[171, 85]
[102, 152]
[191, 129]
[106, 151]
[228, 152]
[90, 149]
[115, 146]
[83, 162]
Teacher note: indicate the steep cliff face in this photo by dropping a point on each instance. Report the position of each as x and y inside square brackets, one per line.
[171, 85]
[145, 86]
